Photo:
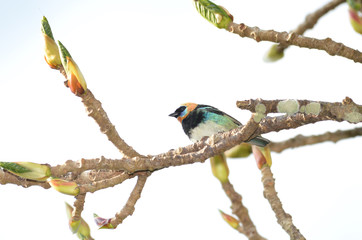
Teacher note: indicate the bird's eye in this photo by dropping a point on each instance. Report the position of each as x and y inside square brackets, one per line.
[179, 112]
[180, 109]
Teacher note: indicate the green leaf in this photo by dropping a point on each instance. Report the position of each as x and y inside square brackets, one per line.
[64, 54]
[45, 27]
[215, 14]
[14, 167]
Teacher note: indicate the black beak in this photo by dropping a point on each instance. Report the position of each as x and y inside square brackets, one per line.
[175, 114]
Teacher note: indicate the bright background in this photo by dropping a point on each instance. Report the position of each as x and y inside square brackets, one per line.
[142, 59]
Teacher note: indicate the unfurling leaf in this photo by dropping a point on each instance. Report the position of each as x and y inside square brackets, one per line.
[215, 14]
[103, 223]
[28, 170]
[51, 49]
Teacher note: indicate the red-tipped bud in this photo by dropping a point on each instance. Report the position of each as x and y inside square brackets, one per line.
[355, 19]
[233, 222]
[262, 156]
[103, 223]
[76, 81]
[63, 186]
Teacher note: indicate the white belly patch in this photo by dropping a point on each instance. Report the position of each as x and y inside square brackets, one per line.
[206, 129]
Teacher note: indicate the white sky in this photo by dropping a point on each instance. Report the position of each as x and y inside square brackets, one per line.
[141, 59]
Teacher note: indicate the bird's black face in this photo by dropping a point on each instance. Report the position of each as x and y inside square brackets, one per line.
[178, 112]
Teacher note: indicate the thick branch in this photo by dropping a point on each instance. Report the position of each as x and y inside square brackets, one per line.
[286, 39]
[284, 219]
[346, 110]
[208, 147]
[216, 144]
[221, 142]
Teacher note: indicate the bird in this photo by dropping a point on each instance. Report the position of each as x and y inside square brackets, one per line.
[199, 120]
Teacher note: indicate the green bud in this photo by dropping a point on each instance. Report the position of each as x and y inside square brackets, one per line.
[80, 227]
[220, 168]
[215, 14]
[84, 231]
[274, 54]
[28, 170]
[239, 151]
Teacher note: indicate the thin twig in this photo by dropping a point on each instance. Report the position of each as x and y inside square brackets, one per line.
[328, 45]
[95, 110]
[78, 206]
[311, 19]
[300, 140]
[284, 219]
[241, 212]
[129, 207]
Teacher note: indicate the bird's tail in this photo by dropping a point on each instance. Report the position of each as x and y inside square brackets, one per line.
[259, 141]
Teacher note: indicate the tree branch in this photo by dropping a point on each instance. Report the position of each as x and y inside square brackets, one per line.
[129, 207]
[95, 110]
[328, 45]
[103, 183]
[312, 19]
[6, 177]
[347, 110]
[284, 219]
[300, 140]
[218, 143]
[248, 227]
[78, 207]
